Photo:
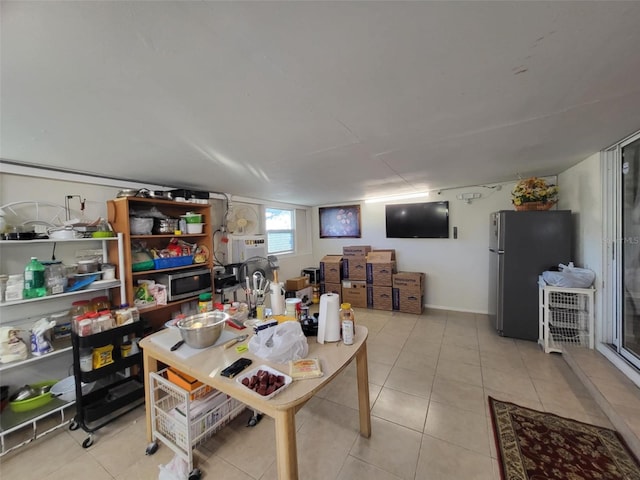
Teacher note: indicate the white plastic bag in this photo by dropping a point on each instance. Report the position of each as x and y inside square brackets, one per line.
[176, 469]
[281, 343]
[569, 276]
[40, 344]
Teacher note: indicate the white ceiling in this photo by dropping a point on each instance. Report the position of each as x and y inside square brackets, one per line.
[316, 103]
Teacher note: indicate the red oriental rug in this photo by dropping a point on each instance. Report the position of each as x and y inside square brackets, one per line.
[536, 445]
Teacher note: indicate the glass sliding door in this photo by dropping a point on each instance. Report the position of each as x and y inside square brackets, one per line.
[629, 294]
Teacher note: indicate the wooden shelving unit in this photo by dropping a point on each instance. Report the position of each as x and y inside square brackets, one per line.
[119, 210]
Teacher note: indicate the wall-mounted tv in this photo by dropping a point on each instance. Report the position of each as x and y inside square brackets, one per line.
[418, 220]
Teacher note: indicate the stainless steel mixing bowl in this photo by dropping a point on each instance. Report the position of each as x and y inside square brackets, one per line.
[202, 330]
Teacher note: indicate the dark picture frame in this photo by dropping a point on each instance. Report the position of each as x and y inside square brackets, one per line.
[340, 222]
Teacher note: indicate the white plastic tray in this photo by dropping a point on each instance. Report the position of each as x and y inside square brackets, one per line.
[251, 373]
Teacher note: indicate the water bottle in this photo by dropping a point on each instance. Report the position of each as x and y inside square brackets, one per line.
[34, 284]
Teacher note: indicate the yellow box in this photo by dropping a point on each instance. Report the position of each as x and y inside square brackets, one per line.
[102, 356]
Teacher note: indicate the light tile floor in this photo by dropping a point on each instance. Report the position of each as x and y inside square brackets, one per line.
[430, 376]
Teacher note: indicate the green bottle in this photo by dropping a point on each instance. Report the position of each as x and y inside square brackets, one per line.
[34, 285]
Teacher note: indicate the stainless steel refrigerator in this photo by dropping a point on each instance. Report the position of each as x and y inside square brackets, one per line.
[522, 245]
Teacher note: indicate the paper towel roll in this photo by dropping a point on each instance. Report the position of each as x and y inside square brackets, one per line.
[277, 298]
[329, 318]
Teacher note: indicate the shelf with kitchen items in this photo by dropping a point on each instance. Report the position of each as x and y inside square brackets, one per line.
[108, 372]
[566, 317]
[22, 422]
[119, 213]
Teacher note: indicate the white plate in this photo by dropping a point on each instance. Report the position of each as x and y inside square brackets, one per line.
[105, 283]
[287, 380]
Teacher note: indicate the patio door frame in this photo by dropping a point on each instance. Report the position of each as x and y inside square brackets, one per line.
[611, 327]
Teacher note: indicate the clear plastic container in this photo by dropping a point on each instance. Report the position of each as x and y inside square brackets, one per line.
[123, 315]
[86, 359]
[347, 322]
[55, 278]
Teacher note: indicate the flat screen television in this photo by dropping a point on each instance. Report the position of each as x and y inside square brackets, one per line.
[418, 220]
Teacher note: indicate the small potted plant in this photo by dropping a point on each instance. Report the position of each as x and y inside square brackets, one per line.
[534, 194]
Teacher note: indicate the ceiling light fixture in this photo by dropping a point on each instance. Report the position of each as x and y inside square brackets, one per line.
[393, 198]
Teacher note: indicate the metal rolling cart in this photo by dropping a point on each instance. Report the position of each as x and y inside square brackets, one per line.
[183, 419]
[117, 387]
[566, 317]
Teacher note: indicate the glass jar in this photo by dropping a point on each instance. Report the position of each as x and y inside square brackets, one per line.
[80, 307]
[100, 303]
[205, 303]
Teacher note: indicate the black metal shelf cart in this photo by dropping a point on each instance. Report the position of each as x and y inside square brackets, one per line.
[117, 388]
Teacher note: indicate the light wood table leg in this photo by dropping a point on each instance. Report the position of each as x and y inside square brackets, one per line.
[150, 365]
[286, 450]
[363, 391]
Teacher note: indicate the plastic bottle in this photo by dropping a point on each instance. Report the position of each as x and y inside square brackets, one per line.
[205, 304]
[34, 285]
[347, 321]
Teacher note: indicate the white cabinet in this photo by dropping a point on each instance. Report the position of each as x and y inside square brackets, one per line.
[566, 317]
[22, 314]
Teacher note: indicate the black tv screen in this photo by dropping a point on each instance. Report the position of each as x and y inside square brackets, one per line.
[418, 220]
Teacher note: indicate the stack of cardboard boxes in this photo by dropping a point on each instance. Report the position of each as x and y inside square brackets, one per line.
[408, 292]
[381, 265]
[368, 278]
[331, 274]
[354, 272]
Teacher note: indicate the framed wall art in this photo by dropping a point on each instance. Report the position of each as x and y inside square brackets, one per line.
[340, 222]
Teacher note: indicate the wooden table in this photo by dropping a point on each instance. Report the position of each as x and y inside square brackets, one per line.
[207, 364]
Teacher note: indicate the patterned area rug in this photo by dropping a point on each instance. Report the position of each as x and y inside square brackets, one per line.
[536, 445]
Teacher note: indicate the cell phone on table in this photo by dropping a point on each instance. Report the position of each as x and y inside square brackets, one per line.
[236, 367]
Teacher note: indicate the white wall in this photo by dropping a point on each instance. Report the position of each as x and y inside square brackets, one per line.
[37, 185]
[581, 192]
[456, 269]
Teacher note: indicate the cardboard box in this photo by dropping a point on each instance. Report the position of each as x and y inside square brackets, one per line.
[381, 256]
[354, 268]
[296, 283]
[413, 281]
[379, 298]
[355, 293]
[408, 301]
[331, 287]
[381, 273]
[331, 269]
[306, 295]
[356, 251]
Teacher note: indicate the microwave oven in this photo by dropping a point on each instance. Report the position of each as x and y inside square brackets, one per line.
[185, 283]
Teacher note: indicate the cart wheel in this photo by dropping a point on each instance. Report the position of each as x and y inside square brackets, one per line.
[253, 421]
[87, 442]
[195, 474]
[73, 425]
[151, 448]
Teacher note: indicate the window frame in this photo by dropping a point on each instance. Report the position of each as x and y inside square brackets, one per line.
[291, 231]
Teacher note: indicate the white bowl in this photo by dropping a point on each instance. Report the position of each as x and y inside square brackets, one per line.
[287, 380]
[194, 227]
[66, 389]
